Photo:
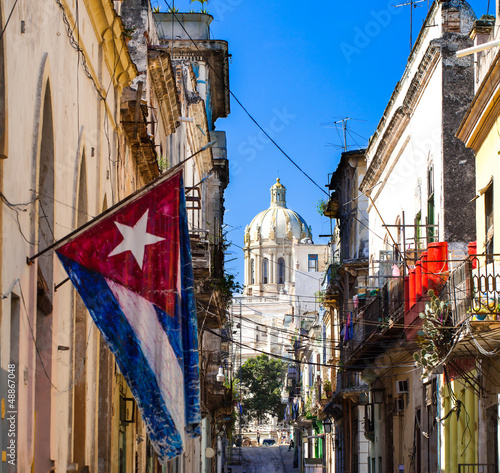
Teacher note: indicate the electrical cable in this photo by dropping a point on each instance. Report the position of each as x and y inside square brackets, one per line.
[76, 46]
[16, 210]
[243, 107]
[292, 360]
[40, 359]
[285, 265]
[8, 19]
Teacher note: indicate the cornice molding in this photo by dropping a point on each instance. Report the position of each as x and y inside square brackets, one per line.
[393, 131]
[108, 27]
[164, 84]
[484, 110]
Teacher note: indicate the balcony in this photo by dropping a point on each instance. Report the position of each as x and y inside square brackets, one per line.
[134, 119]
[376, 324]
[476, 468]
[473, 292]
[208, 270]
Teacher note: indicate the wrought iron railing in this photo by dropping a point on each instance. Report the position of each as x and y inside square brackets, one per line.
[457, 290]
[376, 316]
[473, 289]
[477, 468]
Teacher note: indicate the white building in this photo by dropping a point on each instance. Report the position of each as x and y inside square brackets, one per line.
[283, 272]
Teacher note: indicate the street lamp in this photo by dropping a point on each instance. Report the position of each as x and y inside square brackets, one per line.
[377, 392]
[220, 376]
[327, 425]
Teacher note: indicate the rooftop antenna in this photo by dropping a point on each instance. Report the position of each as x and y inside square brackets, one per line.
[412, 4]
[345, 132]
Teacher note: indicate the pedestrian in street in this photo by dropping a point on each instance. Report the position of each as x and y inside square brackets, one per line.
[290, 447]
[258, 439]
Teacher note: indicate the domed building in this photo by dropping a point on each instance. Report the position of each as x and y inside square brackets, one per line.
[283, 273]
[278, 242]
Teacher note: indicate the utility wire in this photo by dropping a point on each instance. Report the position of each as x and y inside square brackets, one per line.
[243, 107]
[8, 19]
[292, 360]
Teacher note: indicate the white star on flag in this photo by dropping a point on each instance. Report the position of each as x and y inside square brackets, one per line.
[135, 239]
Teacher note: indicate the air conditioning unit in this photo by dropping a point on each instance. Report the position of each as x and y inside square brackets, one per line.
[402, 386]
[399, 404]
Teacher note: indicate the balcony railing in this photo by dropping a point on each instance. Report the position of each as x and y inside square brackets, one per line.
[477, 468]
[378, 315]
[473, 289]
[457, 291]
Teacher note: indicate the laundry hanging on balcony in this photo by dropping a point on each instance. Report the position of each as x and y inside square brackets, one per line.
[349, 328]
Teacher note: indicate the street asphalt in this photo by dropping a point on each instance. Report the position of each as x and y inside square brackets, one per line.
[275, 459]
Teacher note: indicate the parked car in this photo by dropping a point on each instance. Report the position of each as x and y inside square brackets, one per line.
[268, 442]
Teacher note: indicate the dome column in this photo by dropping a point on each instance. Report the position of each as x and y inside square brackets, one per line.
[272, 268]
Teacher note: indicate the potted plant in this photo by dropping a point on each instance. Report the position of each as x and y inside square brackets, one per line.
[327, 387]
[202, 9]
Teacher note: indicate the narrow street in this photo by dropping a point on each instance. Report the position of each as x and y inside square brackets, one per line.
[275, 459]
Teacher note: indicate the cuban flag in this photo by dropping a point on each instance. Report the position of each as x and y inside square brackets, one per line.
[132, 268]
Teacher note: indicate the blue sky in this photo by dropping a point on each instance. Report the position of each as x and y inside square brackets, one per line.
[295, 68]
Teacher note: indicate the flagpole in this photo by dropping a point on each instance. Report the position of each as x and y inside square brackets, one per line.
[170, 172]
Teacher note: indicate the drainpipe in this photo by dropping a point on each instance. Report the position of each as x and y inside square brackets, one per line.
[219, 455]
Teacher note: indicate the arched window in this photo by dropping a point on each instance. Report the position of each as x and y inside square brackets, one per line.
[265, 271]
[252, 271]
[281, 271]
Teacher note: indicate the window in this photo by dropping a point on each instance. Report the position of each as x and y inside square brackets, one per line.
[418, 231]
[431, 231]
[265, 271]
[252, 271]
[312, 264]
[488, 217]
[281, 271]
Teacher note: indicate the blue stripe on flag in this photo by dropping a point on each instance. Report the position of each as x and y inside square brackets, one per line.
[171, 326]
[189, 328]
[110, 319]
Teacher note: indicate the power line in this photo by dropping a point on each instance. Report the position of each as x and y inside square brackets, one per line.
[8, 19]
[292, 360]
[244, 108]
[285, 265]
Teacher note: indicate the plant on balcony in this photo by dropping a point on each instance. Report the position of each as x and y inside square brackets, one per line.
[308, 408]
[435, 337]
[226, 286]
[202, 9]
[321, 206]
[327, 388]
[128, 33]
[320, 297]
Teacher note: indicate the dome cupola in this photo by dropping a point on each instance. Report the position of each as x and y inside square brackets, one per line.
[277, 222]
[278, 194]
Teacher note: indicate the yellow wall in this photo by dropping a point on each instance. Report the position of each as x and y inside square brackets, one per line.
[460, 436]
[488, 165]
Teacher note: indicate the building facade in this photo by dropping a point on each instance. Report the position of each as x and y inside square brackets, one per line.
[283, 272]
[385, 408]
[100, 109]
